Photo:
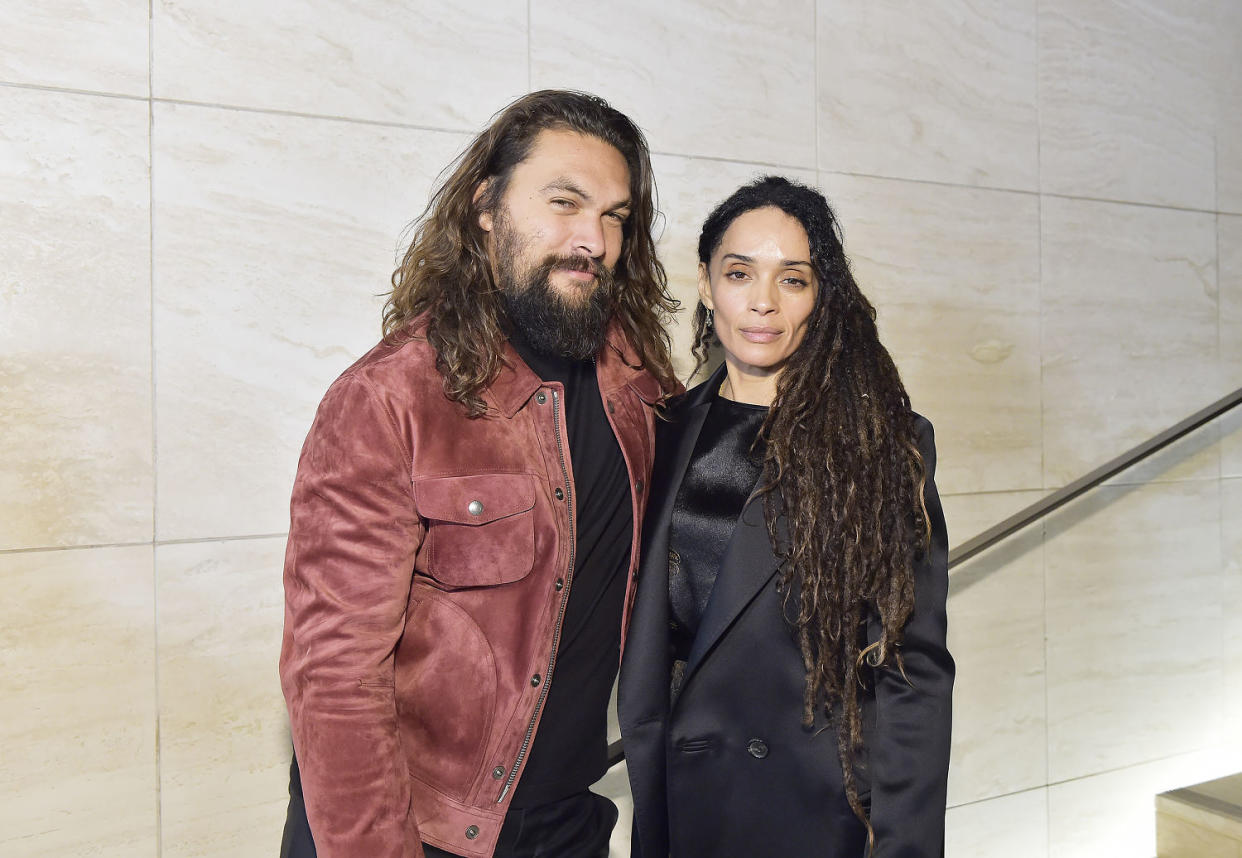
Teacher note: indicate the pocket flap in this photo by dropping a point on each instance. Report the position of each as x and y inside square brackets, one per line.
[474, 499]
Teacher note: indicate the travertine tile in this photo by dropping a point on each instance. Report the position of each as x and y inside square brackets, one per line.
[1231, 556]
[942, 90]
[77, 717]
[996, 636]
[224, 746]
[1129, 335]
[1113, 815]
[1229, 110]
[442, 65]
[273, 237]
[1013, 826]
[1134, 624]
[725, 80]
[1127, 103]
[1229, 244]
[954, 275]
[1178, 837]
[100, 46]
[75, 322]
[689, 188]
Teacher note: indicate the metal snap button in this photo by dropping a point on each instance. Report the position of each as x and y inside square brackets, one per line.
[472, 832]
[757, 748]
[560, 584]
[560, 495]
[498, 773]
[541, 397]
[638, 487]
[475, 507]
[535, 680]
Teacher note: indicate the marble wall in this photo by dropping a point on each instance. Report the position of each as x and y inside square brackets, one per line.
[202, 202]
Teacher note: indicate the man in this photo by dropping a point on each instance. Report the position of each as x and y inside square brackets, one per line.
[466, 513]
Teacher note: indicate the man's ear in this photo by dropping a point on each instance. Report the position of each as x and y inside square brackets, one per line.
[485, 217]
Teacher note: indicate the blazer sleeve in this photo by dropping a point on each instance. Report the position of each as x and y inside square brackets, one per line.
[909, 749]
[348, 570]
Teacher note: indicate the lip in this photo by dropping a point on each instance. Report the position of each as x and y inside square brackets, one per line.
[575, 274]
[760, 334]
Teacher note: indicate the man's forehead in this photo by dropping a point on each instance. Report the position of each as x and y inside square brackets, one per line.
[577, 162]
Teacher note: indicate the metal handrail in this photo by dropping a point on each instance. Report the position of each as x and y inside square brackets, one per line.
[1041, 508]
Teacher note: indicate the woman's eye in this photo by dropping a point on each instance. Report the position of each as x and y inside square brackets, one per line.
[796, 282]
[735, 275]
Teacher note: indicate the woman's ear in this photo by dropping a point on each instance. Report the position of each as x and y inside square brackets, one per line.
[705, 287]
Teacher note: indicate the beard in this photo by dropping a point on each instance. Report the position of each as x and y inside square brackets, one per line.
[549, 322]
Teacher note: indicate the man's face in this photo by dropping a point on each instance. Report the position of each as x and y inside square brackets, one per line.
[555, 237]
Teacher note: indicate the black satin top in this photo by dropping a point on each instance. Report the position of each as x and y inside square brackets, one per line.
[721, 475]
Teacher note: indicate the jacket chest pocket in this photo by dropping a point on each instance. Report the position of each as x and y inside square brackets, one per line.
[480, 528]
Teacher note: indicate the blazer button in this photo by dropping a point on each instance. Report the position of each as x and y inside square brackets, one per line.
[472, 832]
[757, 749]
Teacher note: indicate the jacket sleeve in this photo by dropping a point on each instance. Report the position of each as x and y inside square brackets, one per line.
[909, 750]
[348, 569]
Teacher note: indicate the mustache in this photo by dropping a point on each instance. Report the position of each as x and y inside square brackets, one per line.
[584, 264]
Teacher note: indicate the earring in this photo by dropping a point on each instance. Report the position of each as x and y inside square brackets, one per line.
[710, 318]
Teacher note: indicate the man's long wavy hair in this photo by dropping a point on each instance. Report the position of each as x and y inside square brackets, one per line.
[842, 474]
[446, 276]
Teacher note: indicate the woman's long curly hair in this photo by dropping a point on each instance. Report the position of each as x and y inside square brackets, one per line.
[447, 277]
[842, 474]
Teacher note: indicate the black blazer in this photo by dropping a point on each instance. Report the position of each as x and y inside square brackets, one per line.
[731, 763]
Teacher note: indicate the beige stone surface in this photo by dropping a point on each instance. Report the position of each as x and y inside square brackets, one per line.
[1228, 47]
[1130, 336]
[996, 636]
[439, 65]
[1229, 244]
[77, 717]
[943, 90]
[1178, 837]
[1126, 100]
[224, 746]
[1012, 826]
[75, 323]
[1113, 815]
[274, 237]
[954, 275]
[1231, 556]
[1134, 625]
[99, 46]
[720, 80]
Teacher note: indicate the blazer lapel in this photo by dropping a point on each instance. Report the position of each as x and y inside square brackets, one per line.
[748, 565]
[646, 650]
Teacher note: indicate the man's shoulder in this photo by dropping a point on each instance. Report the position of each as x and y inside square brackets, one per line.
[397, 368]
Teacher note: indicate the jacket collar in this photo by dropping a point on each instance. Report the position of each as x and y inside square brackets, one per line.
[616, 367]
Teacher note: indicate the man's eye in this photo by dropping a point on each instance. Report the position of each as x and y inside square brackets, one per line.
[562, 203]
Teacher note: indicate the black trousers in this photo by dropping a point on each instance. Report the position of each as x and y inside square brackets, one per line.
[578, 826]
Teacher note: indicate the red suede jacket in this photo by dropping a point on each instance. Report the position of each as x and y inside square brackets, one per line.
[426, 578]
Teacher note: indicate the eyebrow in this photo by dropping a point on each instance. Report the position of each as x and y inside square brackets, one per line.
[564, 183]
[785, 263]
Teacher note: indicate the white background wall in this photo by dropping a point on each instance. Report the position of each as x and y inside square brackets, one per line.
[201, 201]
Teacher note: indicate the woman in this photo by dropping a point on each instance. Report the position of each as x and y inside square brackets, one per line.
[786, 688]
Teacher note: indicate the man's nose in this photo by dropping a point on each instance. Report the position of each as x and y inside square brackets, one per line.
[588, 238]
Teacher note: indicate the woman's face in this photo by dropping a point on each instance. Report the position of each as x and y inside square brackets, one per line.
[761, 289]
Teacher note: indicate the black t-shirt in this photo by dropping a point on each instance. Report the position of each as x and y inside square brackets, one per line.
[570, 748]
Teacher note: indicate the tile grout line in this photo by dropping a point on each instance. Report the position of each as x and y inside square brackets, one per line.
[155, 582]
[1043, 524]
[410, 126]
[157, 543]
